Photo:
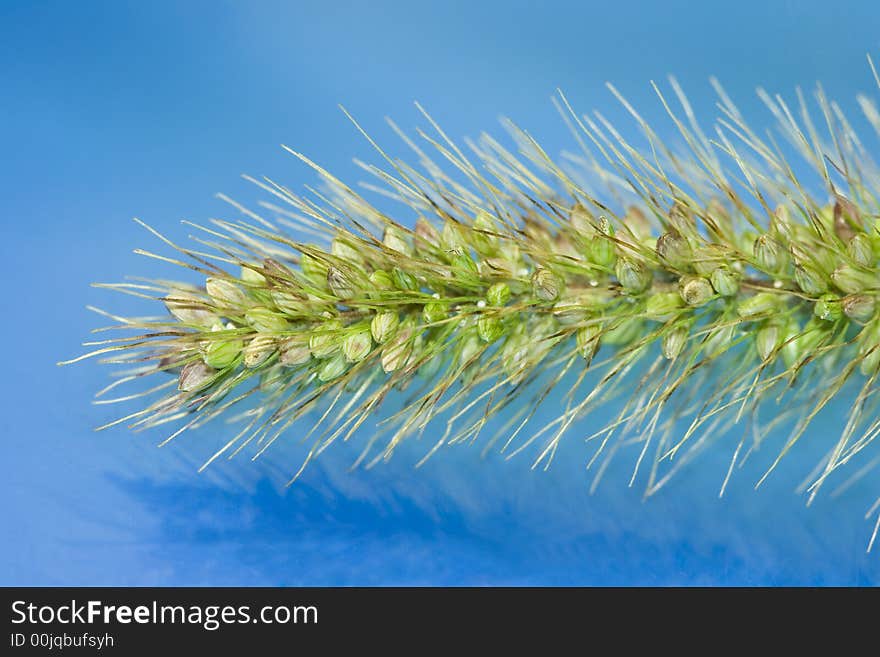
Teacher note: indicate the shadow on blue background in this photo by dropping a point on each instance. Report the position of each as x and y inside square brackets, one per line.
[113, 110]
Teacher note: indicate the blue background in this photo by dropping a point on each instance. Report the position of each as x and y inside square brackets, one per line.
[121, 109]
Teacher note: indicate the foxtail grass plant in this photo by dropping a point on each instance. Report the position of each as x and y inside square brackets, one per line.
[721, 284]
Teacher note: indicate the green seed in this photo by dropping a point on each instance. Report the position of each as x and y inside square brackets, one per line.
[341, 283]
[623, 332]
[633, 276]
[313, 269]
[434, 312]
[674, 340]
[332, 368]
[326, 340]
[695, 291]
[852, 280]
[769, 255]
[724, 281]
[381, 280]
[252, 277]
[357, 344]
[383, 326]
[404, 280]
[828, 307]
[288, 303]
[602, 247]
[222, 352]
[266, 321]
[861, 250]
[546, 285]
[490, 329]
[346, 250]
[498, 294]
[663, 306]
[396, 239]
[587, 339]
[809, 279]
[767, 339]
[758, 304]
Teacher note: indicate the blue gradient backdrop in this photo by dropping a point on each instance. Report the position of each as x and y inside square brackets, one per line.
[121, 109]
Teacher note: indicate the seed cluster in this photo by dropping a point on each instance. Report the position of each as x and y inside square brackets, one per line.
[403, 302]
[704, 289]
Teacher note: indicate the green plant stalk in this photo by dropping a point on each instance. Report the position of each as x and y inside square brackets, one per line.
[705, 286]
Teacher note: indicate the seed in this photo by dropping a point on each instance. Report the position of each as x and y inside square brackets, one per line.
[602, 249]
[195, 376]
[470, 347]
[450, 236]
[266, 321]
[674, 249]
[434, 312]
[498, 294]
[381, 280]
[828, 307]
[426, 236]
[546, 285]
[294, 351]
[587, 339]
[258, 351]
[852, 280]
[251, 276]
[396, 352]
[288, 302]
[859, 307]
[313, 269]
[719, 340]
[847, 220]
[800, 344]
[724, 282]
[396, 239]
[332, 368]
[225, 294]
[767, 339]
[809, 279]
[341, 283]
[780, 223]
[861, 250]
[769, 255]
[663, 306]
[189, 308]
[759, 304]
[695, 291]
[346, 250]
[633, 276]
[490, 329]
[325, 341]
[357, 344]
[581, 219]
[623, 332]
[221, 352]
[403, 280]
[869, 348]
[674, 340]
[383, 326]
[463, 265]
